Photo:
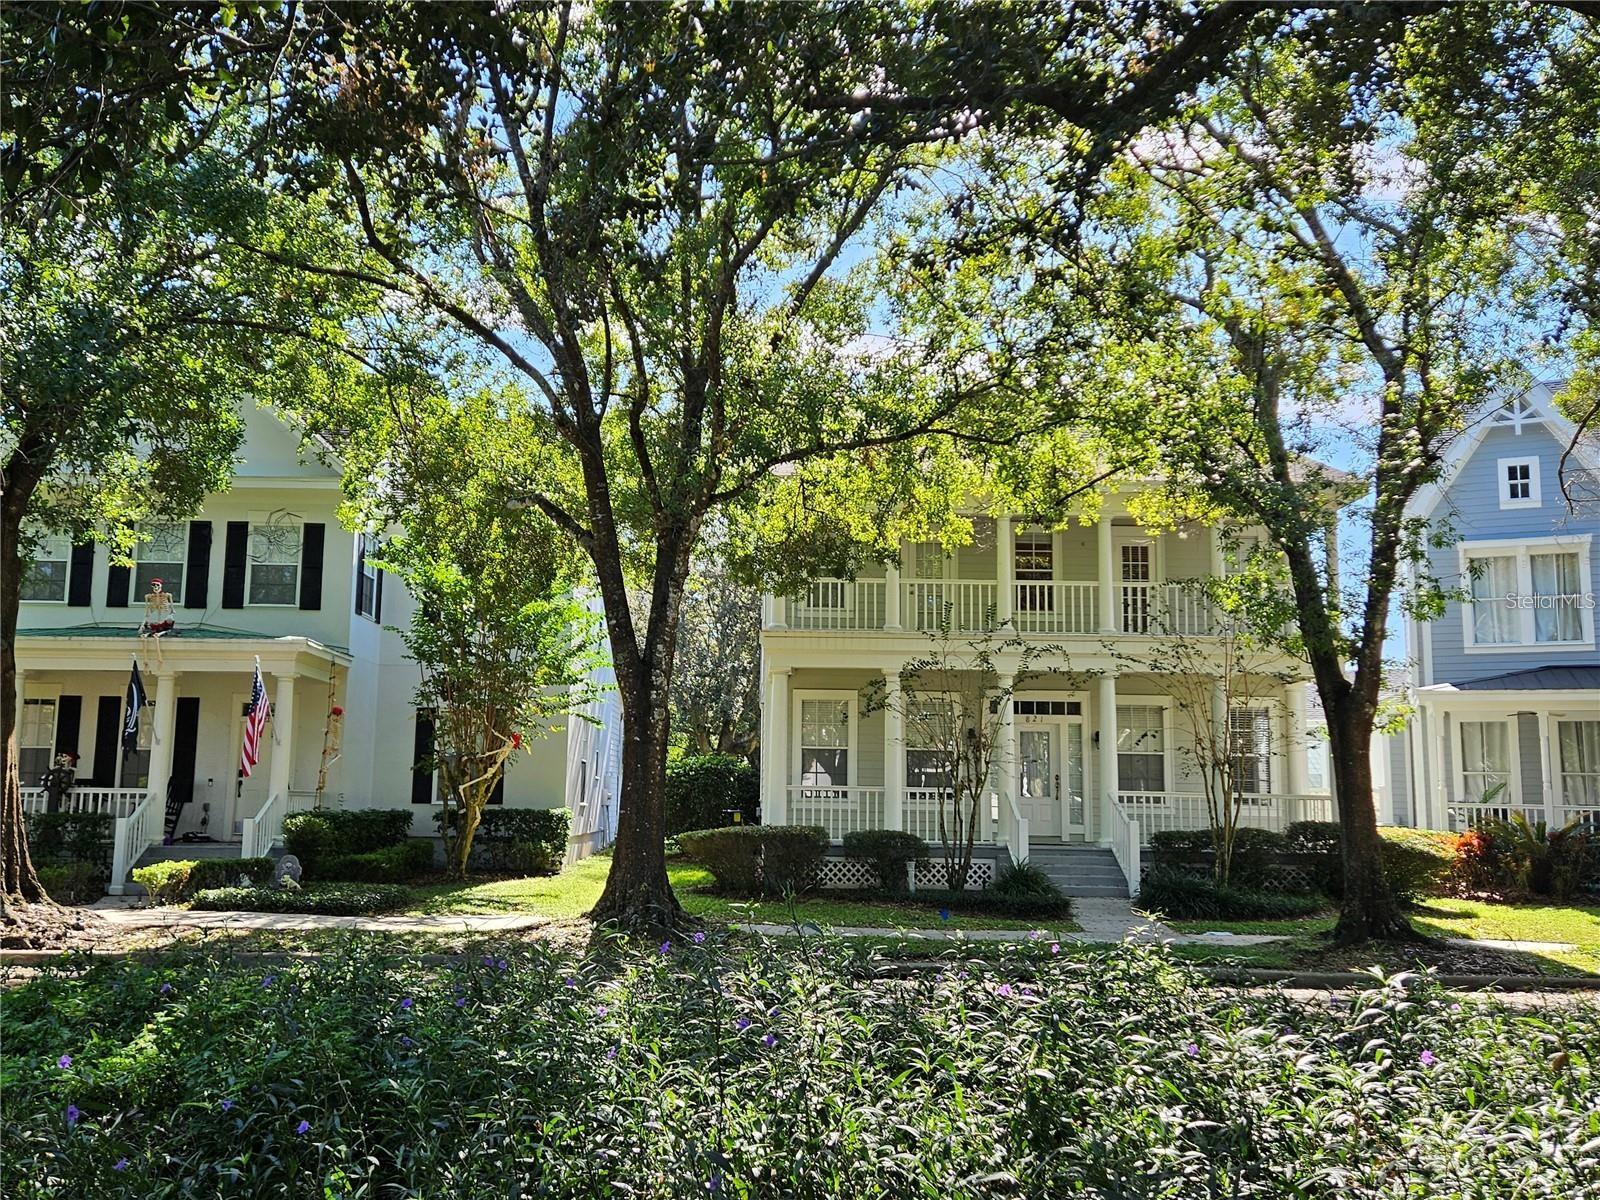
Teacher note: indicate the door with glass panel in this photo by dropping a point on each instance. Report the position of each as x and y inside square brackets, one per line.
[1136, 572]
[1039, 778]
[1486, 770]
[1578, 753]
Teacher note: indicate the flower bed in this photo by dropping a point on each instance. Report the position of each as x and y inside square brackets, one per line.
[693, 1068]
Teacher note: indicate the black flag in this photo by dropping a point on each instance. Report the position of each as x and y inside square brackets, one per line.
[136, 701]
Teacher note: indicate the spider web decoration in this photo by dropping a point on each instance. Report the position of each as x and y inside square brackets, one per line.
[166, 543]
[277, 539]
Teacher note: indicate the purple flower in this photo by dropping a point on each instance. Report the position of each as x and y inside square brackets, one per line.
[72, 1115]
[501, 965]
[406, 1003]
[944, 914]
[1426, 1058]
[1192, 1050]
[120, 1165]
[1055, 947]
[1036, 935]
[269, 981]
[601, 1010]
[303, 1128]
[406, 1041]
[1004, 989]
[770, 1040]
[742, 1024]
[699, 937]
[64, 1061]
[488, 960]
[226, 1105]
[666, 947]
[461, 1001]
[611, 1053]
[571, 982]
[164, 988]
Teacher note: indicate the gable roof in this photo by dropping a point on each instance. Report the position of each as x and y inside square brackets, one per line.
[1536, 405]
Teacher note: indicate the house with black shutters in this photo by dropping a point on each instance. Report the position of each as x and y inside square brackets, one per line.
[263, 572]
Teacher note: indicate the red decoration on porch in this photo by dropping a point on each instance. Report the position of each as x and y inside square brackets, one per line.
[516, 741]
[336, 711]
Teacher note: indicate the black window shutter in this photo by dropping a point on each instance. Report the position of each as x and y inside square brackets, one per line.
[80, 575]
[117, 580]
[69, 718]
[361, 563]
[107, 737]
[377, 597]
[197, 571]
[498, 796]
[422, 760]
[233, 552]
[311, 566]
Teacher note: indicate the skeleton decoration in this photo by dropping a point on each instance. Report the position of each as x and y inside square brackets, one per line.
[158, 622]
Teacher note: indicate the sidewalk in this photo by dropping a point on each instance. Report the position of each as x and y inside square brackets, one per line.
[123, 917]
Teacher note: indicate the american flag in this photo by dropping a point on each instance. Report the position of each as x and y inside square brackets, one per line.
[255, 720]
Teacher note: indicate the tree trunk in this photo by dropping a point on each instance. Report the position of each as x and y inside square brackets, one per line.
[1368, 908]
[19, 882]
[637, 896]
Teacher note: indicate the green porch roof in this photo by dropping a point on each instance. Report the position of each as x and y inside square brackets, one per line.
[187, 633]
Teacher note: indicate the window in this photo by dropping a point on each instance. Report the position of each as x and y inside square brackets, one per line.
[367, 578]
[46, 577]
[1034, 559]
[1578, 746]
[1250, 748]
[1485, 761]
[1141, 748]
[1528, 592]
[36, 740]
[274, 563]
[1047, 708]
[1557, 597]
[930, 734]
[1137, 572]
[1519, 482]
[160, 554]
[825, 742]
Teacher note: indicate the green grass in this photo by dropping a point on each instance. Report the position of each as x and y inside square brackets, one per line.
[574, 892]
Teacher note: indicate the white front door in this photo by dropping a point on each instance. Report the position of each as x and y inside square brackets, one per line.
[1039, 779]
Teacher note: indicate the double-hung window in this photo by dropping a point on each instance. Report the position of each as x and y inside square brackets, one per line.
[46, 576]
[825, 742]
[36, 739]
[162, 553]
[1034, 563]
[1486, 762]
[367, 578]
[1495, 619]
[274, 559]
[1141, 748]
[1529, 592]
[1250, 748]
[930, 730]
[1578, 751]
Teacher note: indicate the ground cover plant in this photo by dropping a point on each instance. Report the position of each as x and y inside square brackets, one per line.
[694, 1068]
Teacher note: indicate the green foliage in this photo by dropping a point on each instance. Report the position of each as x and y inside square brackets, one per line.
[400, 863]
[1416, 862]
[324, 833]
[751, 860]
[1023, 880]
[890, 851]
[607, 1074]
[73, 882]
[175, 880]
[1184, 895]
[716, 689]
[60, 838]
[1521, 858]
[703, 788]
[323, 899]
[987, 902]
[521, 841]
[1255, 852]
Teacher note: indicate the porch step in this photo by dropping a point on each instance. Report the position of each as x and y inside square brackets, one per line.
[1080, 870]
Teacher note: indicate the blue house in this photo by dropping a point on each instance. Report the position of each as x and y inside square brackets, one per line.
[1506, 683]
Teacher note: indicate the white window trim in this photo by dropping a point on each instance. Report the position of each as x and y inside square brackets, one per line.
[1523, 549]
[366, 546]
[250, 564]
[1512, 796]
[1502, 484]
[1165, 704]
[852, 731]
[182, 559]
[65, 560]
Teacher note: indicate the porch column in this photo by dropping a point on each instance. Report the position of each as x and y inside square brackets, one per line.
[780, 612]
[1108, 596]
[1214, 534]
[775, 811]
[1438, 731]
[282, 765]
[1299, 746]
[1005, 602]
[894, 753]
[1007, 764]
[1547, 773]
[891, 596]
[1105, 703]
[161, 736]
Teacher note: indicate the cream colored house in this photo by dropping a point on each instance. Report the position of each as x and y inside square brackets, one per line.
[264, 571]
[1094, 756]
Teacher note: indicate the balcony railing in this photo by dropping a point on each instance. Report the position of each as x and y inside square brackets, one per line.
[1057, 607]
[1474, 816]
[966, 604]
[112, 802]
[839, 810]
[838, 604]
[1159, 811]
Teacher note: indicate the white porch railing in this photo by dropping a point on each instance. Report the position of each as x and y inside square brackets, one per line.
[1017, 843]
[1469, 816]
[964, 603]
[131, 836]
[1163, 608]
[266, 827]
[1160, 811]
[113, 802]
[1062, 607]
[838, 604]
[920, 815]
[1125, 845]
[839, 810]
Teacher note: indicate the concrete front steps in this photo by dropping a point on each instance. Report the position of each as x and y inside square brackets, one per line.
[1080, 870]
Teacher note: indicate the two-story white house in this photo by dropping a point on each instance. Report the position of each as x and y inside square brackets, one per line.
[1506, 684]
[1093, 756]
[263, 572]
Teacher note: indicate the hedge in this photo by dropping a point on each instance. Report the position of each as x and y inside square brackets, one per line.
[176, 880]
[324, 899]
[328, 832]
[1255, 851]
[73, 883]
[61, 838]
[519, 841]
[749, 860]
[890, 853]
[392, 864]
[1181, 895]
[702, 789]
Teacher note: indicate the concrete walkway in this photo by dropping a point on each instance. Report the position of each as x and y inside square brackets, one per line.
[124, 917]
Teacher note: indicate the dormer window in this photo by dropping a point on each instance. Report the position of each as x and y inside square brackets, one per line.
[1519, 482]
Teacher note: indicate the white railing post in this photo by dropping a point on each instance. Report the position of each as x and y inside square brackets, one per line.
[1005, 602]
[894, 753]
[131, 836]
[892, 593]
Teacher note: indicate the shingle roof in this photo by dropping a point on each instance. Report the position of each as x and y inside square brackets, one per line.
[1578, 678]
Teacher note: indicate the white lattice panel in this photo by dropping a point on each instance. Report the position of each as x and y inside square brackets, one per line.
[931, 874]
[855, 874]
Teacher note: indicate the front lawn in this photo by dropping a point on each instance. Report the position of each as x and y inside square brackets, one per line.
[574, 892]
[739, 1068]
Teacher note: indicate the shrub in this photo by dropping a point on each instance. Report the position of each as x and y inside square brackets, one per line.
[988, 902]
[326, 832]
[177, 880]
[1416, 862]
[60, 838]
[1183, 895]
[748, 860]
[1523, 858]
[392, 864]
[703, 789]
[73, 883]
[1255, 852]
[521, 841]
[324, 899]
[889, 851]
[1023, 879]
